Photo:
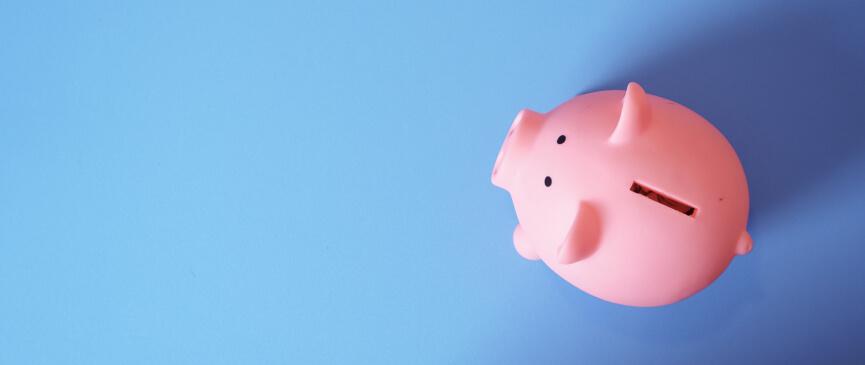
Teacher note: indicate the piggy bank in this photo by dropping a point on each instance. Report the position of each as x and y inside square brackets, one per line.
[631, 197]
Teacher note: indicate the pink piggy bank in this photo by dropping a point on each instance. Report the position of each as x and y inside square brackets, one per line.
[630, 197]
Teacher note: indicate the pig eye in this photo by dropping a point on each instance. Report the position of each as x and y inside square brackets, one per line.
[561, 139]
[548, 181]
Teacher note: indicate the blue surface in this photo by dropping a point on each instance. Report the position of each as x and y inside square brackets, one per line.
[228, 183]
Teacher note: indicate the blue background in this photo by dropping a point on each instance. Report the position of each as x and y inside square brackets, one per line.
[249, 182]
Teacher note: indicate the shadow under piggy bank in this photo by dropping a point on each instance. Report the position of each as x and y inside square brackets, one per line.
[791, 100]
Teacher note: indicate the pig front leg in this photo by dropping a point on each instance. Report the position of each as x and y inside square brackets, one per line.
[523, 246]
[582, 238]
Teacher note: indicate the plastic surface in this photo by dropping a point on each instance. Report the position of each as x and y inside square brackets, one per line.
[630, 197]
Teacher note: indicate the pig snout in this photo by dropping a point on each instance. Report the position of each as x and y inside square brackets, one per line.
[516, 145]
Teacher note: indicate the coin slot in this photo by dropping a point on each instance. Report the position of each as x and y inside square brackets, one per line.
[664, 199]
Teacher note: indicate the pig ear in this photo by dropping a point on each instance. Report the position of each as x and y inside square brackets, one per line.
[635, 116]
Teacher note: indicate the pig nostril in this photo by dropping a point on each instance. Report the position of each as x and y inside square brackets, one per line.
[548, 181]
[561, 139]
